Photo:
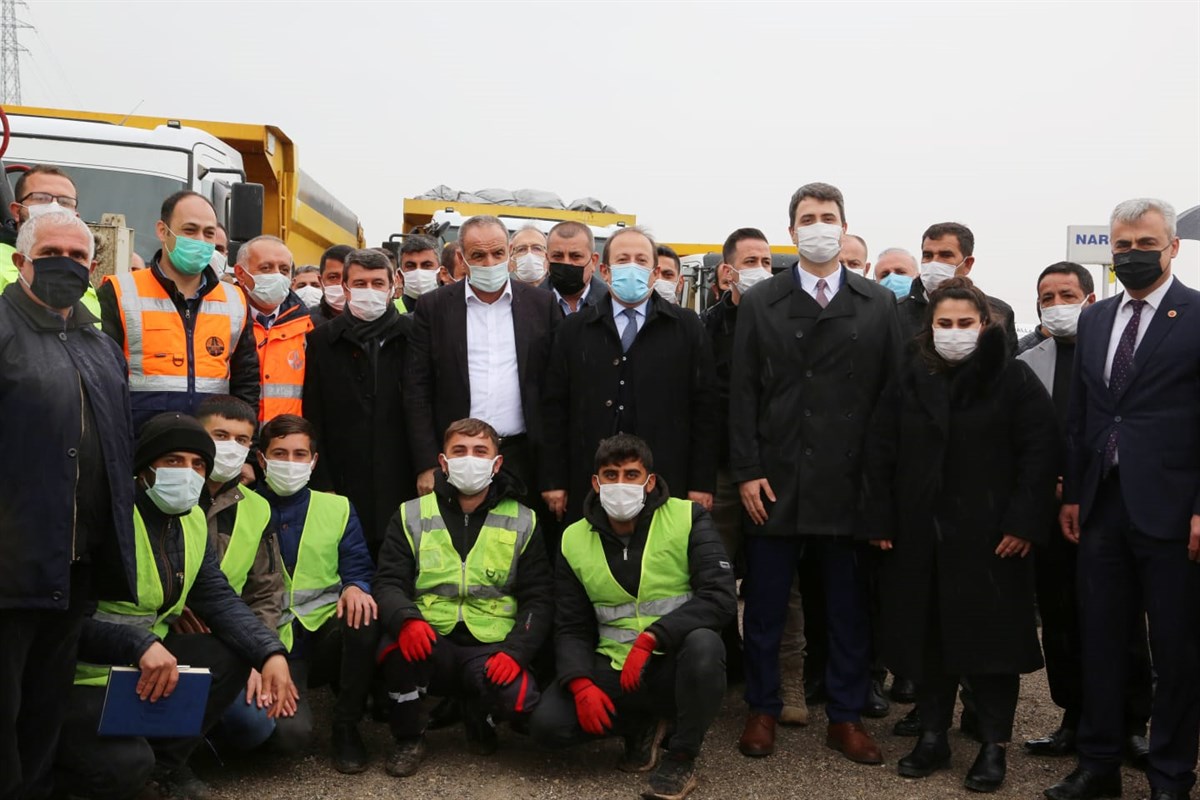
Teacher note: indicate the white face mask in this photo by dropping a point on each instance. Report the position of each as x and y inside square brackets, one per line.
[748, 277]
[270, 289]
[531, 268]
[623, 501]
[176, 490]
[934, 274]
[666, 290]
[219, 263]
[228, 462]
[488, 279]
[1062, 320]
[288, 477]
[335, 295]
[419, 282]
[955, 344]
[470, 474]
[311, 295]
[820, 242]
[368, 304]
[48, 208]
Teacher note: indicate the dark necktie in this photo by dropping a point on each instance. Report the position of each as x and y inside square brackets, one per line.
[822, 296]
[631, 331]
[1118, 376]
[265, 319]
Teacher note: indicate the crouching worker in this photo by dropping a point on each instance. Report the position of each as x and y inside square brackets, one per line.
[176, 568]
[464, 589]
[642, 592]
[328, 620]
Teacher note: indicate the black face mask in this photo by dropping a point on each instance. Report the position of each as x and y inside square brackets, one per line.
[58, 281]
[566, 278]
[1138, 269]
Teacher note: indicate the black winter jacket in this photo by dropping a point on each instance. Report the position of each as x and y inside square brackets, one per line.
[914, 308]
[713, 603]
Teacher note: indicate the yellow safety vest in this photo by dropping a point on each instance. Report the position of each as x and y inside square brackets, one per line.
[477, 590]
[313, 589]
[253, 514]
[665, 583]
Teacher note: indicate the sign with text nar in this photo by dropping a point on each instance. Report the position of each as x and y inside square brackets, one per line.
[1088, 244]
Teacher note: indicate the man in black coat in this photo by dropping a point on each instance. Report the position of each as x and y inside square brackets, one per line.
[813, 350]
[479, 350]
[571, 263]
[947, 250]
[65, 501]
[1131, 500]
[353, 397]
[651, 376]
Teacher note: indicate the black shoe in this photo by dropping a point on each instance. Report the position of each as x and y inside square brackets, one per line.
[1059, 743]
[877, 705]
[643, 748]
[674, 779]
[182, 784]
[968, 724]
[987, 773]
[931, 754]
[481, 733]
[1137, 750]
[909, 725]
[1084, 785]
[446, 713]
[406, 757]
[903, 690]
[349, 753]
[1170, 794]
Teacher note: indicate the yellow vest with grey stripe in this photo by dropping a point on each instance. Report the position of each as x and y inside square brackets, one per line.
[665, 583]
[252, 517]
[10, 274]
[146, 613]
[312, 589]
[478, 589]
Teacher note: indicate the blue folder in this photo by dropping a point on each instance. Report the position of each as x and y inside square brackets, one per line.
[179, 716]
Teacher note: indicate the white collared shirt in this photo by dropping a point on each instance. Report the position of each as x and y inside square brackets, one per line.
[492, 373]
[808, 282]
[1125, 313]
[623, 321]
[565, 306]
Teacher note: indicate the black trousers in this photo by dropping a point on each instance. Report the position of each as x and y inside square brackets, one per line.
[686, 686]
[117, 767]
[1058, 602]
[1123, 571]
[37, 666]
[453, 670]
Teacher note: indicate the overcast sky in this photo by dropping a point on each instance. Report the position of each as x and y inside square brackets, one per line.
[1014, 118]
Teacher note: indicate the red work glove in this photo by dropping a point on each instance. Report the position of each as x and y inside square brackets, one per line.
[502, 669]
[416, 640]
[593, 707]
[635, 662]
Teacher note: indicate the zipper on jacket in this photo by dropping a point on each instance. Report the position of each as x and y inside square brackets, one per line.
[75, 498]
[625, 554]
[189, 330]
[169, 586]
[271, 552]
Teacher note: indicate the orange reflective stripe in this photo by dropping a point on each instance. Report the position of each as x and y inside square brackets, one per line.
[281, 363]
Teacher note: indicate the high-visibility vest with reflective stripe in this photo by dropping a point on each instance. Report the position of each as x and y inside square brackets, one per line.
[281, 365]
[147, 613]
[10, 274]
[312, 589]
[399, 304]
[665, 583]
[161, 356]
[253, 514]
[478, 589]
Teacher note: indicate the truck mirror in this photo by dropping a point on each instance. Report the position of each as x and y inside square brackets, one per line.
[245, 211]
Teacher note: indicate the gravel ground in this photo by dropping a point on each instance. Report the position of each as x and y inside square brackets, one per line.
[802, 766]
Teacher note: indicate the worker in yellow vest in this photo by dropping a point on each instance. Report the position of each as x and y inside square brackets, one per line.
[176, 568]
[281, 322]
[186, 334]
[642, 592]
[329, 617]
[466, 596]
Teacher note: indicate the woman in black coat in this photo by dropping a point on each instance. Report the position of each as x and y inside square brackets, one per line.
[961, 466]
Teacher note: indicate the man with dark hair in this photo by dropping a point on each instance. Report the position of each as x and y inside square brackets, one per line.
[469, 633]
[185, 333]
[571, 252]
[643, 589]
[670, 271]
[353, 397]
[1066, 290]
[947, 250]
[450, 271]
[813, 349]
[332, 268]
[854, 254]
[419, 268]
[328, 619]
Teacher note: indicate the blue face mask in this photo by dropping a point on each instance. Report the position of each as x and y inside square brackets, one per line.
[899, 284]
[190, 256]
[630, 282]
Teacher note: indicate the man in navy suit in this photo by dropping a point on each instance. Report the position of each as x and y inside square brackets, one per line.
[1131, 494]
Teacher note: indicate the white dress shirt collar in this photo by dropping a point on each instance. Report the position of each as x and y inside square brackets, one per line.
[469, 294]
[1153, 300]
[808, 281]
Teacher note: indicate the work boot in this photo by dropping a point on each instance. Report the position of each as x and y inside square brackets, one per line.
[349, 753]
[987, 773]
[643, 748]
[183, 784]
[674, 779]
[481, 733]
[791, 691]
[406, 756]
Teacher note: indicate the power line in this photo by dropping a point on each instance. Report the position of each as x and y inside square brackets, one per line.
[10, 51]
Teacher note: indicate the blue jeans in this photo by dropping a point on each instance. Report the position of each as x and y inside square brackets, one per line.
[243, 727]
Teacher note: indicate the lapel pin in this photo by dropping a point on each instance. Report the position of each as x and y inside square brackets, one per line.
[1171, 314]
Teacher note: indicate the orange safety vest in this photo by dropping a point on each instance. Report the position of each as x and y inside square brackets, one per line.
[281, 364]
[160, 355]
